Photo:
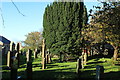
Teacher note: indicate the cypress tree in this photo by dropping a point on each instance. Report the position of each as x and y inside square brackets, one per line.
[62, 24]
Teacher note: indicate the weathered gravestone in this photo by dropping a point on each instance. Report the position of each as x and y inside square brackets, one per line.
[8, 59]
[47, 58]
[99, 72]
[12, 62]
[14, 68]
[35, 53]
[29, 65]
[10, 54]
[43, 55]
[79, 66]
[18, 53]
[91, 51]
[82, 60]
[85, 58]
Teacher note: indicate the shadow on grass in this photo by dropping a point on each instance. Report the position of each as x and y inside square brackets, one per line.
[92, 66]
[58, 75]
[112, 75]
[6, 75]
[53, 75]
[51, 66]
[95, 62]
[36, 65]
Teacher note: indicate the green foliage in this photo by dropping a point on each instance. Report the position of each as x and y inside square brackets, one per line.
[105, 24]
[33, 40]
[107, 20]
[62, 26]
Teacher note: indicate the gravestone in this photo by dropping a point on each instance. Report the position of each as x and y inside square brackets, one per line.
[79, 66]
[29, 70]
[14, 68]
[29, 55]
[43, 55]
[10, 54]
[82, 60]
[47, 58]
[99, 72]
[85, 58]
[29, 65]
[8, 59]
[18, 53]
[35, 53]
[91, 51]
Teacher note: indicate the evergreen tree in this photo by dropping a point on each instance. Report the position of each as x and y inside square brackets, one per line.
[62, 26]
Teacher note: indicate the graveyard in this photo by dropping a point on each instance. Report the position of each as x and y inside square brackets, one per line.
[32, 68]
[74, 43]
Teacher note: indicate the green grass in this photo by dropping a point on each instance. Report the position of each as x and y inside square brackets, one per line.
[67, 70]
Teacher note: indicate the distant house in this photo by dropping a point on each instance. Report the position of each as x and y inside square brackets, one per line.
[5, 44]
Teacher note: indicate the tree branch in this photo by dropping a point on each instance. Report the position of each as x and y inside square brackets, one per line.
[2, 18]
[17, 8]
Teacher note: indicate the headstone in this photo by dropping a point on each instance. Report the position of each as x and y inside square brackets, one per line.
[61, 57]
[29, 55]
[99, 72]
[14, 68]
[18, 53]
[85, 58]
[10, 55]
[47, 58]
[35, 53]
[12, 46]
[29, 65]
[82, 60]
[29, 70]
[43, 55]
[91, 52]
[79, 66]
[8, 59]
[3, 50]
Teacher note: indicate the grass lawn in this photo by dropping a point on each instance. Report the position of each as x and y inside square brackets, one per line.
[67, 70]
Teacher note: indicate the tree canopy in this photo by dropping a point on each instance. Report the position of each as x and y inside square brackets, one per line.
[104, 25]
[33, 40]
[62, 24]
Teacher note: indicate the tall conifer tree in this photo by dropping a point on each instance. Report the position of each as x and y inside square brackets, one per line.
[62, 26]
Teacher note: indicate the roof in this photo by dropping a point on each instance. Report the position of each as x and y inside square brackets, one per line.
[4, 40]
